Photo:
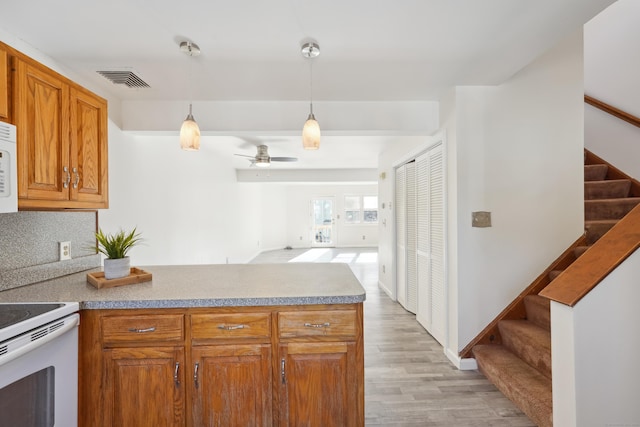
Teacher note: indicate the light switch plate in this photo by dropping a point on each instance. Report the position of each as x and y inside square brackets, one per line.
[481, 219]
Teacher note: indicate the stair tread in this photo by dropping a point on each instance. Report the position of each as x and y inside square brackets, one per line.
[523, 385]
[609, 188]
[529, 341]
[614, 200]
[601, 221]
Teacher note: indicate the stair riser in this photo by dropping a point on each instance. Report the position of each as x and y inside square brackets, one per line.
[597, 230]
[608, 209]
[538, 311]
[595, 172]
[612, 189]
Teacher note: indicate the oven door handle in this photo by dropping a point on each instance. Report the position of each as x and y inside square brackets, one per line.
[70, 323]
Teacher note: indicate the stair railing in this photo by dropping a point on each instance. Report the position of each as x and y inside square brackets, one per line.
[622, 115]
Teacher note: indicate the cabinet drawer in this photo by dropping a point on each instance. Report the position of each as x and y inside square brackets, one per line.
[329, 323]
[142, 328]
[230, 325]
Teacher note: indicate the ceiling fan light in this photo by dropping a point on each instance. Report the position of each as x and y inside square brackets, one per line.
[190, 134]
[311, 134]
[262, 163]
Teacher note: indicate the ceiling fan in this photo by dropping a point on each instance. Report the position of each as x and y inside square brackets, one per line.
[262, 158]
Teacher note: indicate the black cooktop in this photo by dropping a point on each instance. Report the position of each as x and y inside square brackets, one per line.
[10, 314]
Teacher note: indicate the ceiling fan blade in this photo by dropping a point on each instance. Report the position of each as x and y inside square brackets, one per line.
[244, 155]
[284, 159]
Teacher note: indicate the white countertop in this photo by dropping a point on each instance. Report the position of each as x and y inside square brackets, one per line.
[206, 286]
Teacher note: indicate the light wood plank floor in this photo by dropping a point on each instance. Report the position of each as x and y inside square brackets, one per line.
[408, 380]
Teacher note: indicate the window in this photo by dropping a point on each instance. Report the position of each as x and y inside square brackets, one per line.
[361, 209]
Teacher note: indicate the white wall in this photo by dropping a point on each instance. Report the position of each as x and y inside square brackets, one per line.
[188, 205]
[595, 351]
[514, 150]
[298, 199]
[611, 75]
[274, 215]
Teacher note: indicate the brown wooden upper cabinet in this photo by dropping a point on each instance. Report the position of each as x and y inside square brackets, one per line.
[62, 140]
[4, 85]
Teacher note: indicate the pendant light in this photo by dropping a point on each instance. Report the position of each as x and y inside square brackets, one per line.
[311, 128]
[190, 132]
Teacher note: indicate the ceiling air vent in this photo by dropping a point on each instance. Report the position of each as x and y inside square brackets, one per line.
[124, 77]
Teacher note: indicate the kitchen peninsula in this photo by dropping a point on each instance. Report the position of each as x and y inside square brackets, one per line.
[227, 345]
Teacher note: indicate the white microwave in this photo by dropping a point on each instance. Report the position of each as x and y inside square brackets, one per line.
[8, 169]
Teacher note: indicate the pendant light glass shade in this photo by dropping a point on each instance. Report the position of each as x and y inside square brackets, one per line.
[190, 133]
[311, 134]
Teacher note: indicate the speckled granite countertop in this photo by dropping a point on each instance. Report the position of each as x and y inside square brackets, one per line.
[226, 285]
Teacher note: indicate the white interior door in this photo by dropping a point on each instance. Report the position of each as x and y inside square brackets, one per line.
[401, 236]
[431, 311]
[412, 272]
[323, 222]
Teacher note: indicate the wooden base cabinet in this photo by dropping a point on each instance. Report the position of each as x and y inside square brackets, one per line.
[218, 367]
[232, 385]
[318, 381]
[144, 386]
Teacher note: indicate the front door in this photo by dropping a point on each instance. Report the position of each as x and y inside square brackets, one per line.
[322, 222]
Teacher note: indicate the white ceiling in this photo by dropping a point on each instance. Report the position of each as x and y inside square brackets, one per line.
[400, 50]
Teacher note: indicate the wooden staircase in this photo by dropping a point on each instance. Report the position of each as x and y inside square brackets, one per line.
[514, 351]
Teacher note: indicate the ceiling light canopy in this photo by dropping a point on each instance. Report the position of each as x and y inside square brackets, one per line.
[190, 132]
[311, 128]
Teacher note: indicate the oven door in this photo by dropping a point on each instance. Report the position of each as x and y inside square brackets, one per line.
[39, 380]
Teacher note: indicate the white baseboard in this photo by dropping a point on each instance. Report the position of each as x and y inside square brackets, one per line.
[386, 291]
[462, 364]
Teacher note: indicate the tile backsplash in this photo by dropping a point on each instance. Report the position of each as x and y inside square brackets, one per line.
[29, 245]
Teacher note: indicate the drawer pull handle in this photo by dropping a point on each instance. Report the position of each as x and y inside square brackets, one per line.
[317, 325]
[77, 180]
[195, 374]
[142, 331]
[67, 177]
[175, 374]
[282, 371]
[231, 327]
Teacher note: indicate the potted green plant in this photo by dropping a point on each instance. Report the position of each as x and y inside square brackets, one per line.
[115, 247]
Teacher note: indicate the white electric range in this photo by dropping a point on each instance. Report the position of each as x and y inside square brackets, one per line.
[39, 364]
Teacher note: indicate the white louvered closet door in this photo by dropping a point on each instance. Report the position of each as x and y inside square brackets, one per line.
[431, 243]
[401, 236]
[412, 271]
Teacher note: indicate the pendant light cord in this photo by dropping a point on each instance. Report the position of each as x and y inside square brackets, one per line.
[311, 85]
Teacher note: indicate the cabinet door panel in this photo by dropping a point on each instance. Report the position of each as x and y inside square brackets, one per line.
[42, 122]
[319, 385]
[233, 386]
[4, 85]
[142, 387]
[88, 148]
